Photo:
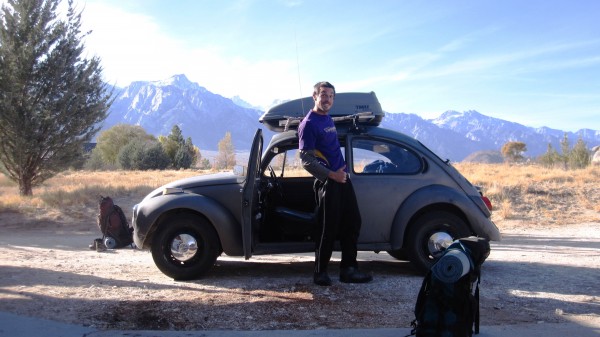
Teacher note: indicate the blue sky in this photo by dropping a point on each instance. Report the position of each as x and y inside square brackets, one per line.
[532, 62]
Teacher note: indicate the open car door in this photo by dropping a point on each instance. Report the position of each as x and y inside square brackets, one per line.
[250, 212]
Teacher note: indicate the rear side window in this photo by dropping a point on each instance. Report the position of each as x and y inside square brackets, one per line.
[374, 156]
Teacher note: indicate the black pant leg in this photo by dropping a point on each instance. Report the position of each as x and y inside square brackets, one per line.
[329, 219]
[349, 226]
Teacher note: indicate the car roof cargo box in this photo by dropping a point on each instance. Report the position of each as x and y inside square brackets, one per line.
[288, 114]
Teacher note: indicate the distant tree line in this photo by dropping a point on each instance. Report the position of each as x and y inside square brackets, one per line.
[130, 147]
[576, 157]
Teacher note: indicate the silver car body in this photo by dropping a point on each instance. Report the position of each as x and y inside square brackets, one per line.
[399, 183]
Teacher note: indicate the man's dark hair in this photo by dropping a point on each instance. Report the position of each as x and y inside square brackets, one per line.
[323, 84]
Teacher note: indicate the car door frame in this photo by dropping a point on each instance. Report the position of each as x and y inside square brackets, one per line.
[250, 212]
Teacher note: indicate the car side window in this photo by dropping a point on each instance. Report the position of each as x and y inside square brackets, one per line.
[374, 156]
[287, 164]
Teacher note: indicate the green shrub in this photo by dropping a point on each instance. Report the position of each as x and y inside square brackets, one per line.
[143, 155]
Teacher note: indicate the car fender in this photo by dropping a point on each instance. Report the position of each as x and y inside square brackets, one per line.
[153, 210]
[440, 197]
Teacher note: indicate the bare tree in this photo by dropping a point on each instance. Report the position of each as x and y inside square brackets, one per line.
[226, 157]
[513, 151]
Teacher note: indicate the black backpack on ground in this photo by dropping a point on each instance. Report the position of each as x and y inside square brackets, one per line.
[448, 302]
[113, 224]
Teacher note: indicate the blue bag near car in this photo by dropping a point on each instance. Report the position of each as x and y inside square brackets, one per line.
[448, 302]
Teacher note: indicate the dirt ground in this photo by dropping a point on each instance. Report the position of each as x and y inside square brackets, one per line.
[536, 274]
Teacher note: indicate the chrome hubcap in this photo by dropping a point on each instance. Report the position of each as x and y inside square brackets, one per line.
[184, 247]
[438, 242]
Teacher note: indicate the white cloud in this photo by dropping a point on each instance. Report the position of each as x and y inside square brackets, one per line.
[133, 47]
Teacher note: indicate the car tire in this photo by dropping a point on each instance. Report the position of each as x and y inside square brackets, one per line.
[430, 234]
[185, 247]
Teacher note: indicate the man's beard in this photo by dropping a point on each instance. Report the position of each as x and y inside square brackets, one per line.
[324, 108]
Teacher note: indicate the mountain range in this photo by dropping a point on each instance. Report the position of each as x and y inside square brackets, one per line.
[206, 117]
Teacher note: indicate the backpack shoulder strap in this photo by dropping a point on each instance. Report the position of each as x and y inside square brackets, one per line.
[476, 296]
[122, 216]
[422, 292]
[419, 306]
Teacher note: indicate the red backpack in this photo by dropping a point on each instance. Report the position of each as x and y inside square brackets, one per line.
[113, 223]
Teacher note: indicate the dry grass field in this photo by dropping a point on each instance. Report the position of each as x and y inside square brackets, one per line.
[537, 195]
[72, 196]
[529, 193]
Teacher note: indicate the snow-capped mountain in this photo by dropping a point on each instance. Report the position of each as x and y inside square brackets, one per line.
[491, 133]
[446, 143]
[201, 115]
[206, 117]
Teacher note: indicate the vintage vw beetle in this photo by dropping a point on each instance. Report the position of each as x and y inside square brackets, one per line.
[413, 204]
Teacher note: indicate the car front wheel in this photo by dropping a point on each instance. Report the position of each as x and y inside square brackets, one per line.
[430, 235]
[185, 247]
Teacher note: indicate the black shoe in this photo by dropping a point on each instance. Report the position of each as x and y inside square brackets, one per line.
[352, 275]
[94, 244]
[322, 279]
[100, 247]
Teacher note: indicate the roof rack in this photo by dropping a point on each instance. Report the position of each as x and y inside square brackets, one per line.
[291, 112]
[360, 117]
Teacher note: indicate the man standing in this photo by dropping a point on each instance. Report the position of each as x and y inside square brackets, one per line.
[322, 157]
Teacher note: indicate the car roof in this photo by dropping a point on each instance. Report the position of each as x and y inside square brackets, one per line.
[287, 115]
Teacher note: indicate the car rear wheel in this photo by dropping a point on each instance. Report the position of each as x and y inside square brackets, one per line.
[185, 247]
[430, 235]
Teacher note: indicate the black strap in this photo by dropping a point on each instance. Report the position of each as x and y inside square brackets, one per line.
[420, 303]
[108, 222]
[421, 297]
[413, 325]
[477, 304]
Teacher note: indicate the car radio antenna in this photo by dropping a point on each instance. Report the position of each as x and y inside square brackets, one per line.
[298, 69]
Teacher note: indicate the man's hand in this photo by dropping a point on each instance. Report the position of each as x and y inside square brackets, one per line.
[340, 175]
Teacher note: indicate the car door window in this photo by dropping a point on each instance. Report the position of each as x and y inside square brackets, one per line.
[287, 164]
[374, 156]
